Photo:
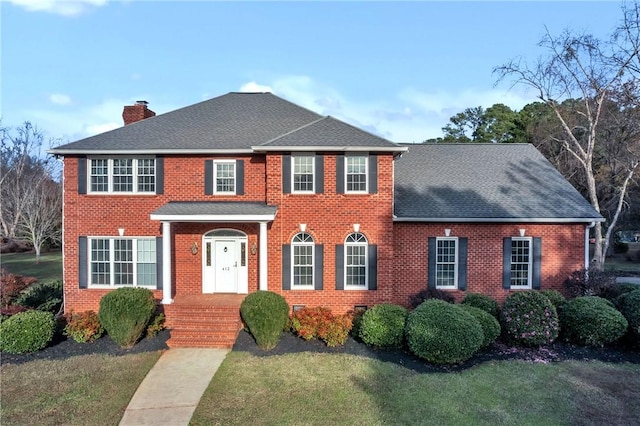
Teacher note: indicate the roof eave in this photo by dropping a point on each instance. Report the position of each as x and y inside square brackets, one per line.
[499, 219]
[235, 218]
[308, 148]
[64, 152]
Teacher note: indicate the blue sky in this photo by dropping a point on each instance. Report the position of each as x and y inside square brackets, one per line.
[397, 69]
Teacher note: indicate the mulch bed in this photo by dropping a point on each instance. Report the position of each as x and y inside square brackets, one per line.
[65, 348]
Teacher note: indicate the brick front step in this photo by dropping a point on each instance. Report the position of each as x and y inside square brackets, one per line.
[203, 322]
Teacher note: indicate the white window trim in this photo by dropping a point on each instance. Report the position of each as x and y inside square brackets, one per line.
[293, 173]
[364, 244]
[455, 267]
[311, 244]
[134, 248]
[530, 263]
[366, 174]
[134, 169]
[215, 177]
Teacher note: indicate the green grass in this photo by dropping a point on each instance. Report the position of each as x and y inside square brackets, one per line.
[321, 389]
[49, 268]
[81, 390]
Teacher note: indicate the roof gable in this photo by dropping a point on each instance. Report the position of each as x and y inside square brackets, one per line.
[483, 182]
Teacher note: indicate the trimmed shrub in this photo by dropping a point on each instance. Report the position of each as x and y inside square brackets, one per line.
[592, 321]
[383, 325]
[26, 332]
[83, 327]
[42, 296]
[356, 320]
[320, 323]
[629, 306]
[265, 314]
[156, 325]
[483, 302]
[443, 333]
[11, 285]
[529, 318]
[430, 293]
[588, 283]
[490, 325]
[125, 312]
[555, 297]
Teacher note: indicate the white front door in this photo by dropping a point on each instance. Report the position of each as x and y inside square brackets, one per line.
[224, 265]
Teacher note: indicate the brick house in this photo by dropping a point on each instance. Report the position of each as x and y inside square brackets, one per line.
[248, 192]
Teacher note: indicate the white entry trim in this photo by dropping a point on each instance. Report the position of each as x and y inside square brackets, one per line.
[238, 244]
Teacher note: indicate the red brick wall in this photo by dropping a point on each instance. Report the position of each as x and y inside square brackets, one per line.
[562, 253]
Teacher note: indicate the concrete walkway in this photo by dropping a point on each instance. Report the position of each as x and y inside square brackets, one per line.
[170, 392]
[630, 280]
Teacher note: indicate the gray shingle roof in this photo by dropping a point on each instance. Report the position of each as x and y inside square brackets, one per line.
[329, 132]
[235, 121]
[214, 208]
[483, 182]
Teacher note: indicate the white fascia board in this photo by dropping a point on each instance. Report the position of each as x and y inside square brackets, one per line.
[497, 220]
[260, 148]
[63, 152]
[237, 218]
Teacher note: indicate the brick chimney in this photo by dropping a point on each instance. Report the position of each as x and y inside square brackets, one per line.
[136, 112]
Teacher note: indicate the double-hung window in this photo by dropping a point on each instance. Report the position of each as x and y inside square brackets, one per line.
[303, 171]
[225, 176]
[446, 263]
[355, 251]
[302, 260]
[521, 262]
[122, 175]
[356, 173]
[122, 261]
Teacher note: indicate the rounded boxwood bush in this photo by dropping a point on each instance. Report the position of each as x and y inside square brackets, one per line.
[383, 325]
[443, 333]
[26, 332]
[125, 312]
[529, 318]
[490, 325]
[592, 321]
[554, 297]
[629, 306]
[266, 315]
[483, 302]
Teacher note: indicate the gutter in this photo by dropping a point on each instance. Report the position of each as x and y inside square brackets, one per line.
[587, 262]
[499, 219]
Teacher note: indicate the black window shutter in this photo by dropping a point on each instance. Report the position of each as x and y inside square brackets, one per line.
[208, 177]
[433, 252]
[82, 175]
[239, 177]
[159, 258]
[506, 263]
[319, 174]
[159, 175]
[340, 176]
[373, 266]
[373, 173]
[537, 263]
[339, 267]
[286, 267]
[286, 174]
[318, 272]
[83, 275]
[462, 263]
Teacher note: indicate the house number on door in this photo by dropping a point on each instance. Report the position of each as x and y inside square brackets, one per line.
[226, 268]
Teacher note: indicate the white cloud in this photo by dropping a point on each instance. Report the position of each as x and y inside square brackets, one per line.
[411, 115]
[59, 7]
[59, 99]
[253, 87]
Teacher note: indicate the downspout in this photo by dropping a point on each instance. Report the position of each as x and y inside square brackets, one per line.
[586, 246]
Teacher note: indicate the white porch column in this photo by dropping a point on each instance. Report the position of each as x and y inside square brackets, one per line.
[166, 263]
[263, 257]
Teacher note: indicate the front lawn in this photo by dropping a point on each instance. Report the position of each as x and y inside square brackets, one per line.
[49, 268]
[88, 389]
[320, 388]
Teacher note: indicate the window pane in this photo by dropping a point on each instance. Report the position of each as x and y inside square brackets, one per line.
[303, 174]
[303, 264]
[146, 262]
[356, 271]
[356, 174]
[146, 175]
[99, 175]
[123, 262]
[520, 262]
[123, 175]
[225, 177]
[100, 266]
[446, 262]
